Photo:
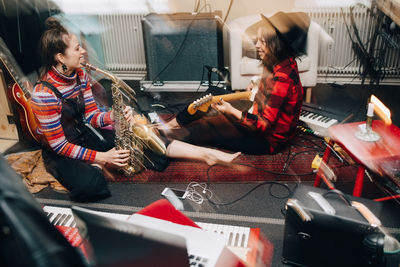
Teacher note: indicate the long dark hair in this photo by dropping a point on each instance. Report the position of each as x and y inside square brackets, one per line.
[52, 42]
[279, 49]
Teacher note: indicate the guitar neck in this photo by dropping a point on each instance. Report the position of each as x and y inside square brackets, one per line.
[232, 97]
[12, 68]
[15, 76]
[203, 103]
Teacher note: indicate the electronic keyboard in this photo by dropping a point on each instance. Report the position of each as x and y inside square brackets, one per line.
[319, 119]
[235, 236]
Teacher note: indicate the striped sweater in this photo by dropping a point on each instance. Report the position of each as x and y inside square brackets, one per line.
[47, 109]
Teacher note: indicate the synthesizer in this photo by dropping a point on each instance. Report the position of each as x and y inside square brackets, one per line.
[235, 236]
[319, 119]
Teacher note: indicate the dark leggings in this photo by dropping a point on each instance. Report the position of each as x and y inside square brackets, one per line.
[218, 131]
[84, 181]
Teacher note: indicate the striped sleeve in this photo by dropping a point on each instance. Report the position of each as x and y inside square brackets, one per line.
[47, 109]
[93, 115]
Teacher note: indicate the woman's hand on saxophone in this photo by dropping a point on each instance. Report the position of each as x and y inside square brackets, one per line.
[128, 115]
[118, 158]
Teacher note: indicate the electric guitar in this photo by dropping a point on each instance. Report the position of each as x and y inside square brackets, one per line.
[19, 94]
[204, 102]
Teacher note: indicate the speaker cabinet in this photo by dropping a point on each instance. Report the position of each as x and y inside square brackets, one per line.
[178, 46]
[313, 237]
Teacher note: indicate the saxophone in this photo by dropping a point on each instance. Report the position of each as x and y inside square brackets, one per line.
[133, 138]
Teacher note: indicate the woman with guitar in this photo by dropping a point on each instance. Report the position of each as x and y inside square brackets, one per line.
[62, 102]
[272, 119]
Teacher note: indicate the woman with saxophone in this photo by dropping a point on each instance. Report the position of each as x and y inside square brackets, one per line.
[73, 151]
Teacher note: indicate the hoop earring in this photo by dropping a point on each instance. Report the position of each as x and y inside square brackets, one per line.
[64, 67]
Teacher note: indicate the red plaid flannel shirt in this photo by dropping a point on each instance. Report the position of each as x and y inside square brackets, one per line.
[277, 104]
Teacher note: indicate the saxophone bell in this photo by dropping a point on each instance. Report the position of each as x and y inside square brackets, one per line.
[149, 138]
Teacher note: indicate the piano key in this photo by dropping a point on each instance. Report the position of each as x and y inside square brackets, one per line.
[241, 237]
[56, 218]
[318, 118]
[236, 237]
[62, 221]
[57, 222]
[236, 242]
[318, 123]
[49, 215]
[230, 240]
[68, 221]
[231, 230]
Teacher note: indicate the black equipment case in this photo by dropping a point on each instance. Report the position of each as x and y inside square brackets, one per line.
[331, 237]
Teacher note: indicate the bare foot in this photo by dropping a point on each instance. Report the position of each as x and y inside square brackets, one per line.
[213, 156]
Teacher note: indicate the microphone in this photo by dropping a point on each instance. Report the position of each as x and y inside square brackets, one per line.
[213, 69]
[219, 73]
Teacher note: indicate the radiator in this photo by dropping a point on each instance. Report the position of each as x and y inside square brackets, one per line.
[124, 54]
[122, 41]
[340, 61]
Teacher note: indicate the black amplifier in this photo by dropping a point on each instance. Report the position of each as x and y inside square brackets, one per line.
[329, 228]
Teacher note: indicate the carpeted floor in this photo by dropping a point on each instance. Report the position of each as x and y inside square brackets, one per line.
[291, 164]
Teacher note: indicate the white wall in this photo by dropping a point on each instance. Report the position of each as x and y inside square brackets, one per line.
[238, 9]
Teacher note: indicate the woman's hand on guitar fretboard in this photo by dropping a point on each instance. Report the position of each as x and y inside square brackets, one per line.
[204, 102]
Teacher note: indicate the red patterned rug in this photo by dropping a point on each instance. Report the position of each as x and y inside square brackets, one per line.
[291, 164]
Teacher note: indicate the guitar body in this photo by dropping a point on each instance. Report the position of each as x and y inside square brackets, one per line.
[27, 118]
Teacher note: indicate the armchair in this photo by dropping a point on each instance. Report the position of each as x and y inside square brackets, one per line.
[244, 65]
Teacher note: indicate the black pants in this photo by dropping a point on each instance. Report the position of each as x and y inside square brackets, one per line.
[84, 181]
[218, 131]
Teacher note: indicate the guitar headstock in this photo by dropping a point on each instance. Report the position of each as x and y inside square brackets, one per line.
[201, 104]
[11, 65]
[255, 80]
